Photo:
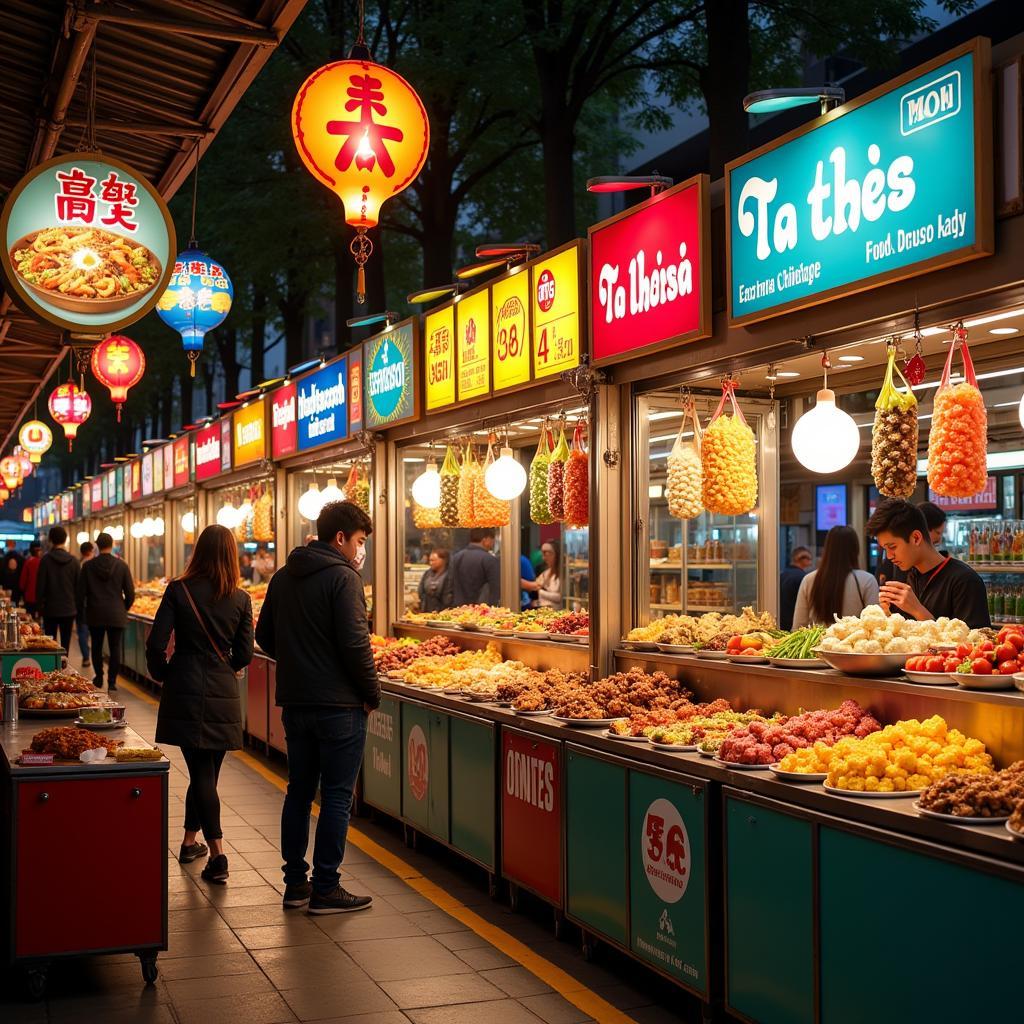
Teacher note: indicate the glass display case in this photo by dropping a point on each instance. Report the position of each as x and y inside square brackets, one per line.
[148, 533]
[184, 527]
[248, 509]
[994, 547]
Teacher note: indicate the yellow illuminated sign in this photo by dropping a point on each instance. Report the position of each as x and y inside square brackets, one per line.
[510, 332]
[473, 317]
[439, 358]
[555, 301]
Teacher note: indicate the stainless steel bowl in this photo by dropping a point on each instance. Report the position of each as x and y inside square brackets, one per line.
[864, 664]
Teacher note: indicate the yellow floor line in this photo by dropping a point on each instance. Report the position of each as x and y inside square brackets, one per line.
[561, 981]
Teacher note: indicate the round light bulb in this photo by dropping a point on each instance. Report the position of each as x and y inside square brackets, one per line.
[227, 515]
[188, 522]
[332, 492]
[159, 526]
[825, 439]
[136, 530]
[82, 536]
[505, 477]
[116, 532]
[148, 527]
[244, 510]
[310, 503]
[426, 488]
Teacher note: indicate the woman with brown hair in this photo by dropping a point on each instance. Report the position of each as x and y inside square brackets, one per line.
[200, 709]
[837, 586]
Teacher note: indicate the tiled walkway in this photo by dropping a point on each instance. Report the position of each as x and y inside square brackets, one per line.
[236, 956]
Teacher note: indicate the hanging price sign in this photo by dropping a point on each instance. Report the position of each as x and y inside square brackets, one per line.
[510, 333]
[473, 318]
[439, 328]
[555, 300]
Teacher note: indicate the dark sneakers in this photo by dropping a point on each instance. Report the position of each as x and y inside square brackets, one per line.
[191, 853]
[216, 870]
[338, 902]
[297, 895]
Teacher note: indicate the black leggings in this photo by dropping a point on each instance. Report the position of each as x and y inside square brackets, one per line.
[202, 804]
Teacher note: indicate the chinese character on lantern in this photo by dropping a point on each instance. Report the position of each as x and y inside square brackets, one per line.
[69, 406]
[362, 131]
[10, 470]
[35, 437]
[76, 199]
[118, 364]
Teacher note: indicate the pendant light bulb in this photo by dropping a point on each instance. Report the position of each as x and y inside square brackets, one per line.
[332, 492]
[188, 522]
[825, 439]
[82, 536]
[135, 531]
[227, 515]
[159, 526]
[426, 488]
[310, 503]
[505, 477]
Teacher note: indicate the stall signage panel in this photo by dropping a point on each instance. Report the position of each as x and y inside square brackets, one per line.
[96, 486]
[136, 479]
[531, 813]
[158, 472]
[119, 484]
[986, 501]
[250, 429]
[389, 368]
[649, 274]
[323, 405]
[284, 435]
[510, 331]
[355, 390]
[473, 333]
[208, 451]
[168, 451]
[439, 350]
[181, 466]
[382, 761]
[112, 487]
[147, 474]
[895, 185]
[668, 909]
[225, 445]
[555, 283]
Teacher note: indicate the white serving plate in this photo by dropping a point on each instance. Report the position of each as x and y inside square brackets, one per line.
[100, 725]
[864, 664]
[954, 819]
[871, 796]
[798, 776]
[682, 748]
[639, 645]
[748, 659]
[522, 635]
[479, 698]
[713, 655]
[929, 678]
[1018, 680]
[992, 682]
[742, 767]
[531, 714]
[797, 662]
[587, 723]
[675, 648]
[627, 739]
[1013, 832]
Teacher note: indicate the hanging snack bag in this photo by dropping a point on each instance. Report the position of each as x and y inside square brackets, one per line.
[556, 478]
[684, 469]
[263, 517]
[577, 482]
[449, 507]
[357, 487]
[728, 459]
[894, 436]
[426, 518]
[490, 511]
[539, 511]
[957, 442]
[469, 475]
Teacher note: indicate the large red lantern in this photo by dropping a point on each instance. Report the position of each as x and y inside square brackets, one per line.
[118, 364]
[10, 471]
[362, 131]
[70, 406]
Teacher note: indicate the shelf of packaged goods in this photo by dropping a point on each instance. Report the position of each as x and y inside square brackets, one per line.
[997, 567]
[659, 566]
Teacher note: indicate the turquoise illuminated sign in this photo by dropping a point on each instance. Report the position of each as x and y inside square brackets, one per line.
[891, 185]
[390, 394]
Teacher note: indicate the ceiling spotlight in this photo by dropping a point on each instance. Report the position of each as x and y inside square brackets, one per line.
[387, 318]
[769, 101]
[851, 359]
[152, 442]
[1003, 330]
[490, 250]
[786, 373]
[626, 183]
[303, 367]
[476, 269]
[273, 382]
[228, 406]
[441, 291]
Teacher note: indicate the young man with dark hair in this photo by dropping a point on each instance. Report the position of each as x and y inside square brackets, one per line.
[800, 562]
[57, 588]
[936, 586]
[476, 573]
[314, 624]
[106, 591]
[935, 519]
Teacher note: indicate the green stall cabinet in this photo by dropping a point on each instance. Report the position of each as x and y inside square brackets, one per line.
[473, 774]
[425, 769]
[769, 916]
[382, 759]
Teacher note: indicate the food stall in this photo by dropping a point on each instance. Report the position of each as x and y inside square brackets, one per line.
[183, 519]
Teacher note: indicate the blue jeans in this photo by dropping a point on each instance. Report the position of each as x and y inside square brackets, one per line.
[83, 638]
[325, 748]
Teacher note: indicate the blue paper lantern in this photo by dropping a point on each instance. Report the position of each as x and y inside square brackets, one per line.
[197, 300]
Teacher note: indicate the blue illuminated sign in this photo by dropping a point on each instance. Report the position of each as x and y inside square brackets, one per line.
[322, 406]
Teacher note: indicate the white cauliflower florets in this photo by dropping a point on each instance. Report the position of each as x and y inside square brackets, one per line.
[867, 647]
[873, 611]
[897, 645]
[856, 636]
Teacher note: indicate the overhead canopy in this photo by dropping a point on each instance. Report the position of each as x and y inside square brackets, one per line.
[168, 74]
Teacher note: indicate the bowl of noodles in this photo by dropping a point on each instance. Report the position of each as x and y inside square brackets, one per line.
[85, 270]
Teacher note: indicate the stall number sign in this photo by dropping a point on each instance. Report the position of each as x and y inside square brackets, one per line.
[208, 452]
[439, 357]
[389, 366]
[473, 334]
[887, 190]
[510, 331]
[181, 466]
[355, 390]
[249, 424]
[556, 313]
[283, 427]
[322, 406]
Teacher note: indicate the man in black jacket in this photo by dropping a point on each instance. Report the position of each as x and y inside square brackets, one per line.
[57, 588]
[105, 593]
[314, 624]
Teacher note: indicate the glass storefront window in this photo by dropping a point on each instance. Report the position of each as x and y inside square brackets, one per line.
[249, 511]
[114, 525]
[185, 523]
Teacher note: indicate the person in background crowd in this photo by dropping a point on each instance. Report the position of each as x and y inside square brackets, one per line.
[548, 585]
[436, 585]
[476, 571]
[936, 520]
[57, 587]
[245, 568]
[86, 551]
[837, 586]
[29, 573]
[262, 566]
[937, 585]
[10, 570]
[527, 575]
[314, 624]
[105, 593]
[200, 708]
[800, 561]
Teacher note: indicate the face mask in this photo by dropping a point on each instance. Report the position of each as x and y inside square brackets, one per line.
[359, 559]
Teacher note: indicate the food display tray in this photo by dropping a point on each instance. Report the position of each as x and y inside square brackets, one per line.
[747, 659]
[797, 662]
[955, 819]
[871, 796]
[51, 712]
[930, 678]
[611, 734]
[742, 767]
[682, 748]
[973, 682]
[798, 776]
[587, 723]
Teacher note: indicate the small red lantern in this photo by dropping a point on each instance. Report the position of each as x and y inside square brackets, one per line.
[10, 470]
[26, 463]
[70, 406]
[118, 364]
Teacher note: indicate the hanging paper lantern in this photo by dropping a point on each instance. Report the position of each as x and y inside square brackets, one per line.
[35, 437]
[197, 300]
[10, 471]
[118, 364]
[362, 131]
[70, 406]
[26, 463]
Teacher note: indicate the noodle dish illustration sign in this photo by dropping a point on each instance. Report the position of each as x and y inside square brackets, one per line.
[88, 244]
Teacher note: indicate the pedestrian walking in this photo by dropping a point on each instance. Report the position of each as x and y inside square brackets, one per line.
[105, 593]
[10, 570]
[200, 707]
[86, 551]
[57, 587]
[29, 575]
[314, 624]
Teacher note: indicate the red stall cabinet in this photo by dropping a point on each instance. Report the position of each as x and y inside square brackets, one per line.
[52, 816]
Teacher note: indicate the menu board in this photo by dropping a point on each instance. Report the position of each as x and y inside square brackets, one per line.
[473, 345]
[97, 493]
[439, 357]
[225, 445]
[555, 283]
[323, 406]
[112, 498]
[510, 331]
[250, 432]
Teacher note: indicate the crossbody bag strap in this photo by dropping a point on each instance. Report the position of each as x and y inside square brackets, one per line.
[202, 622]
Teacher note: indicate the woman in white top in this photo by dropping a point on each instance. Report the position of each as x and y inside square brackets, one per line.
[548, 586]
[837, 586]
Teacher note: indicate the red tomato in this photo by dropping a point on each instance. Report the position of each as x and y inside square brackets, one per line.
[1017, 640]
[952, 664]
[912, 663]
[733, 645]
[1005, 652]
[981, 667]
[1008, 668]
[934, 664]
[986, 646]
[963, 651]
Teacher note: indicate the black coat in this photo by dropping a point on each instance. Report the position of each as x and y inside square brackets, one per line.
[57, 585]
[313, 623]
[477, 576]
[437, 591]
[105, 591]
[199, 700]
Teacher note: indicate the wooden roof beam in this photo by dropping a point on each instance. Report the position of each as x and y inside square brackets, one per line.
[202, 29]
[142, 128]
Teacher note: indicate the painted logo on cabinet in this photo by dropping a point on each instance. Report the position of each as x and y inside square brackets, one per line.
[665, 849]
[417, 762]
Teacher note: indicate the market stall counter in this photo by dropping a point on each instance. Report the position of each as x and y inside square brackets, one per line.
[120, 904]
